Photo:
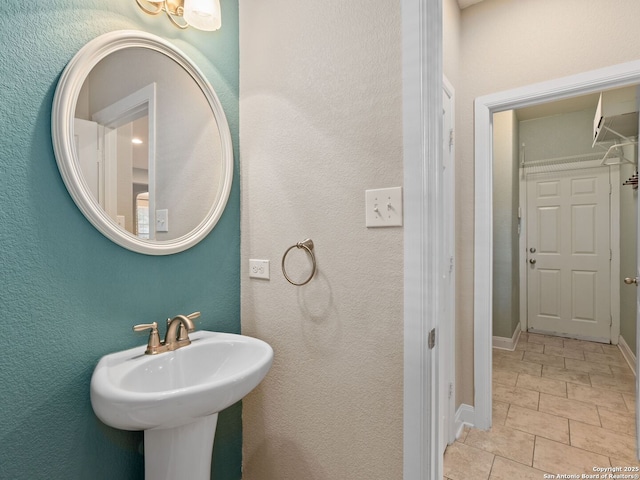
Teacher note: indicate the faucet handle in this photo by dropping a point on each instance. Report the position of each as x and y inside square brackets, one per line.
[193, 316]
[146, 326]
[154, 337]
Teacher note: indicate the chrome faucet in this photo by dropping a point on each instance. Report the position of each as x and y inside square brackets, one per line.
[177, 335]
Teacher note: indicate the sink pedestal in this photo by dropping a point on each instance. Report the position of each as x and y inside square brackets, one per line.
[180, 452]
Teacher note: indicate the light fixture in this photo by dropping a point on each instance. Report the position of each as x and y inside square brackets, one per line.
[200, 14]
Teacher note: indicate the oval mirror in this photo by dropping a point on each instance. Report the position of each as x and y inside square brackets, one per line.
[142, 143]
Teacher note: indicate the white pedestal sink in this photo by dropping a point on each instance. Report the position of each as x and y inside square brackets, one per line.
[175, 397]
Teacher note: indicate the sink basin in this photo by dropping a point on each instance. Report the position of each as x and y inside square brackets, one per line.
[177, 395]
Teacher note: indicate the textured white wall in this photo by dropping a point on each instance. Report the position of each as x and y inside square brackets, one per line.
[450, 40]
[321, 121]
[506, 44]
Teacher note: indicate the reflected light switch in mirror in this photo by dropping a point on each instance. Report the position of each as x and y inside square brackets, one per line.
[162, 220]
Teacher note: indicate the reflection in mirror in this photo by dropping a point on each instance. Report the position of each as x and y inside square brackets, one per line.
[132, 115]
[151, 137]
[142, 215]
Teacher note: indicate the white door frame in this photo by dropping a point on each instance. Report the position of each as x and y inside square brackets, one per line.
[447, 329]
[422, 160]
[614, 233]
[621, 75]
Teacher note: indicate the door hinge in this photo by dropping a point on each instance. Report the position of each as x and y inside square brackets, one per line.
[432, 338]
[450, 139]
[450, 390]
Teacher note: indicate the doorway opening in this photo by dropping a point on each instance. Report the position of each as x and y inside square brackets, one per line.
[485, 107]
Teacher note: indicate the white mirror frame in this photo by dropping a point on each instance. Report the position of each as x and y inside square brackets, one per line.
[62, 116]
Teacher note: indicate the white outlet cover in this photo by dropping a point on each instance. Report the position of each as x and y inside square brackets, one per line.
[383, 207]
[259, 269]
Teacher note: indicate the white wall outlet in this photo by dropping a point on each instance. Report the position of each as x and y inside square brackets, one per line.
[162, 220]
[383, 207]
[259, 269]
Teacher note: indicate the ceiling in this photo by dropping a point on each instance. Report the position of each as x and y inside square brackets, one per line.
[574, 104]
[568, 105]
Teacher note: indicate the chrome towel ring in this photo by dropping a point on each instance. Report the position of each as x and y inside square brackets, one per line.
[308, 246]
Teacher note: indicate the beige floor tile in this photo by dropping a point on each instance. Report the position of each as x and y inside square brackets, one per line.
[573, 409]
[545, 340]
[596, 396]
[504, 469]
[587, 367]
[602, 441]
[530, 347]
[506, 442]
[624, 463]
[542, 384]
[516, 396]
[510, 354]
[619, 383]
[504, 377]
[583, 345]
[629, 401]
[565, 375]
[610, 348]
[609, 358]
[616, 421]
[621, 370]
[544, 359]
[577, 354]
[538, 423]
[499, 412]
[515, 366]
[463, 435]
[557, 458]
[462, 462]
[591, 426]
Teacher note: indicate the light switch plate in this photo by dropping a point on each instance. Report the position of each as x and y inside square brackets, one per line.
[259, 269]
[162, 220]
[383, 207]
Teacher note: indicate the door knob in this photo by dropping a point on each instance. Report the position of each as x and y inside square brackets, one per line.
[532, 250]
[532, 261]
[630, 281]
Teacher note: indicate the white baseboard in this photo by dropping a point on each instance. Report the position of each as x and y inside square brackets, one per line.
[505, 343]
[465, 415]
[628, 354]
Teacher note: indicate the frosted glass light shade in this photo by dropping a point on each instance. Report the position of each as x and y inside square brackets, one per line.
[203, 14]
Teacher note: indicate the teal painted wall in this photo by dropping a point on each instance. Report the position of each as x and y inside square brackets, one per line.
[69, 295]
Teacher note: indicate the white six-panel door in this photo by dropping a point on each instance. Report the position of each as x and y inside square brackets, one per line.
[568, 253]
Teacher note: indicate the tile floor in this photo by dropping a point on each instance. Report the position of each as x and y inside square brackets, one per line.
[560, 406]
